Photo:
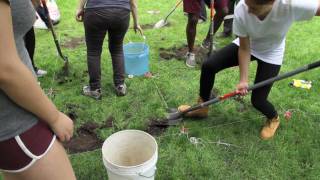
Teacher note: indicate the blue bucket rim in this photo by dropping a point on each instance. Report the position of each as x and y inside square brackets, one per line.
[145, 47]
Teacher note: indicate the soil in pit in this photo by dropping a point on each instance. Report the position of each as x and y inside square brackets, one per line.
[85, 140]
[156, 127]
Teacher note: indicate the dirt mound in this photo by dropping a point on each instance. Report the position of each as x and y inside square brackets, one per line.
[74, 42]
[179, 53]
[85, 140]
[157, 127]
[146, 26]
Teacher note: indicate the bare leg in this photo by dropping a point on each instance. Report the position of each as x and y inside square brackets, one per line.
[191, 30]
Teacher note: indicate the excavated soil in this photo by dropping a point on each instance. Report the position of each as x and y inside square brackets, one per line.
[146, 26]
[179, 53]
[157, 127]
[74, 42]
[85, 140]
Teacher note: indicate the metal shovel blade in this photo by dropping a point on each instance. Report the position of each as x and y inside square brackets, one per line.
[174, 117]
[160, 24]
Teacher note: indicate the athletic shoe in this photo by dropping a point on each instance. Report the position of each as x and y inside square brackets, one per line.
[191, 60]
[95, 94]
[121, 89]
[41, 73]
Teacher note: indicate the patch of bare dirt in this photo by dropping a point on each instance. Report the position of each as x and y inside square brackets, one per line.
[179, 53]
[156, 127]
[74, 42]
[61, 78]
[146, 26]
[85, 140]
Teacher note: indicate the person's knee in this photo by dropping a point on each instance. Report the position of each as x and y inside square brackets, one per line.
[256, 102]
[193, 19]
[209, 66]
[115, 48]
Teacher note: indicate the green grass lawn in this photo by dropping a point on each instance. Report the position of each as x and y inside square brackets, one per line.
[292, 154]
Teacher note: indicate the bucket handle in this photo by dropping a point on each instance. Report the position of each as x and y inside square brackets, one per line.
[143, 37]
[141, 174]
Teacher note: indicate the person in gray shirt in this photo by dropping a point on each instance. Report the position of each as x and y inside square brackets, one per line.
[100, 17]
[29, 121]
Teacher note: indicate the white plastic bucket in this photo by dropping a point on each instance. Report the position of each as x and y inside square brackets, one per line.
[130, 154]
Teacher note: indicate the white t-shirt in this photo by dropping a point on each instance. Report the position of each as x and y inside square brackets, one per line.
[267, 37]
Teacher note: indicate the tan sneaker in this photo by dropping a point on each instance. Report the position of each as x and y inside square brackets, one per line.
[199, 113]
[270, 128]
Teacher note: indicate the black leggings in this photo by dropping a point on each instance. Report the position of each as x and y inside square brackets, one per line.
[228, 57]
[30, 43]
[97, 22]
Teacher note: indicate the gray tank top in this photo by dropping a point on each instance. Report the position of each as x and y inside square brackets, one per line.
[13, 119]
[108, 3]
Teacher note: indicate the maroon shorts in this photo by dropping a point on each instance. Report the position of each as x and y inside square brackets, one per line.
[194, 6]
[22, 151]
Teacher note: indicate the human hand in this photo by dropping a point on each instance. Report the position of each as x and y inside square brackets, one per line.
[79, 15]
[63, 127]
[242, 88]
[137, 28]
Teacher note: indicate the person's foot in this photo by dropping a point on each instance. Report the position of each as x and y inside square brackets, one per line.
[206, 45]
[199, 113]
[121, 89]
[270, 128]
[191, 60]
[41, 73]
[95, 94]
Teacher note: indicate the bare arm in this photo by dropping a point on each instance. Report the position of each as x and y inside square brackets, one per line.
[136, 26]
[81, 4]
[18, 83]
[244, 59]
[80, 10]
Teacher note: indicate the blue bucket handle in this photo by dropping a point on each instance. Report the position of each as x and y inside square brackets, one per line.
[143, 37]
[144, 42]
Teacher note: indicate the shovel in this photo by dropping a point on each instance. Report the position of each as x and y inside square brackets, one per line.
[164, 21]
[211, 26]
[65, 68]
[174, 118]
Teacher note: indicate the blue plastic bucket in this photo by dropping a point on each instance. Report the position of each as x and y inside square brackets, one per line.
[136, 58]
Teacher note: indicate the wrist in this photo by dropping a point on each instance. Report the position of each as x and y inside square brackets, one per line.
[54, 117]
[243, 77]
